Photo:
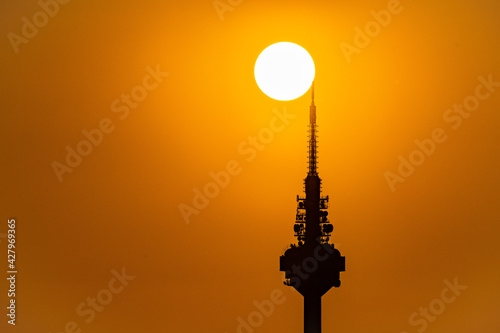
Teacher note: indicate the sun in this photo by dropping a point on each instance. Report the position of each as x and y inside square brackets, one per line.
[284, 71]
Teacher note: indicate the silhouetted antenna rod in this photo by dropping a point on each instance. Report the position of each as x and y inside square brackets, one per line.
[313, 144]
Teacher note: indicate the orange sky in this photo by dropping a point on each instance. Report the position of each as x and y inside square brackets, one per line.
[119, 205]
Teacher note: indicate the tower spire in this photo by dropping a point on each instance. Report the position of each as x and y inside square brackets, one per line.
[313, 93]
[312, 136]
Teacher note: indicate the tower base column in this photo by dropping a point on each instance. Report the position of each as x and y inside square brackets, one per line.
[312, 314]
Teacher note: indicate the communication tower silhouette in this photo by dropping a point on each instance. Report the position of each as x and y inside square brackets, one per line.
[313, 266]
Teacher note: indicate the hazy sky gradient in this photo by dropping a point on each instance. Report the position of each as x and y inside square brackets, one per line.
[120, 206]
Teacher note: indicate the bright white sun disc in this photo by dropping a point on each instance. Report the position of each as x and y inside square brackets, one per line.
[284, 71]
